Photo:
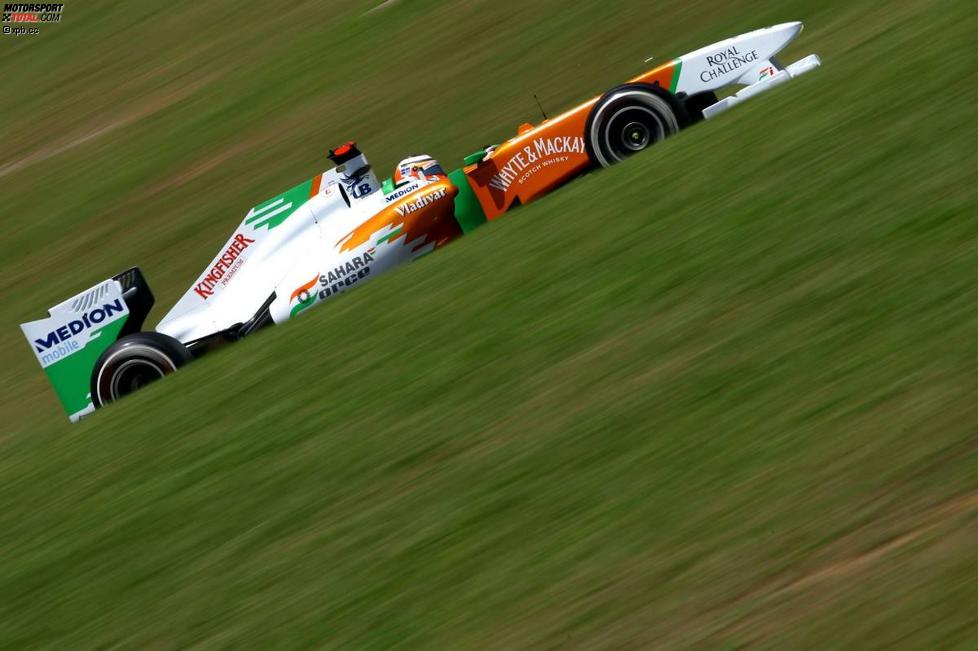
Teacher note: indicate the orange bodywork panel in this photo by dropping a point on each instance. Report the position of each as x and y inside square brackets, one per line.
[421, 218]
[532, 164]
[665, 76]
[544, 157]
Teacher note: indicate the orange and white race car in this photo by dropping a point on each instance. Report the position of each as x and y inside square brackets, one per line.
[344, 226]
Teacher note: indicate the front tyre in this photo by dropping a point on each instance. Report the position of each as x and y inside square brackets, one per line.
[630, 119]
[133, 362]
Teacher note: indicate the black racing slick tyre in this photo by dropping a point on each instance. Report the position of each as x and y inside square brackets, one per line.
[133, 362]
[629, 119]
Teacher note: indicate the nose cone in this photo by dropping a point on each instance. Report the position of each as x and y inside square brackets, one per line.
[789, 30]
[770, 40]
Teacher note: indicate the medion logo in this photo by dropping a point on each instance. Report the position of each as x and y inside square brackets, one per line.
[401, 192]
[88, 319]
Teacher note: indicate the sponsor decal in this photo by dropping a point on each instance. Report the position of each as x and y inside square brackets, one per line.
[302, 295]
[357, 185]
[227, 265]
[352, 266]
[726, 61]
[332, 282]
[339, 279]
[767, 72]
[402, 192]
[421, 202]
[541, 153]
[422, 220]
[58, 339]
[70, 339]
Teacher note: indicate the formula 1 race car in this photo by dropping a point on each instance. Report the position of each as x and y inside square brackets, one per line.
[343, 227]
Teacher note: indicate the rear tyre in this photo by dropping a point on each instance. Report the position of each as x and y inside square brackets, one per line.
[630, 119]
[133, 362]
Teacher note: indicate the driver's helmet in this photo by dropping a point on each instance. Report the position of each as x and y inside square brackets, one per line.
[418, 168]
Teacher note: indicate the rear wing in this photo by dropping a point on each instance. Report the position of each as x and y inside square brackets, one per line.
[77, 331]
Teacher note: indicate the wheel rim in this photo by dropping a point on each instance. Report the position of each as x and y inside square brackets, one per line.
[636, 136]
[632, 129]
[627, 122]
[133, 374]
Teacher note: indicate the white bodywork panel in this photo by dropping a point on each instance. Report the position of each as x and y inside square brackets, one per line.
[743, 60]
[296, 229]
[293, 245]
[796, 69]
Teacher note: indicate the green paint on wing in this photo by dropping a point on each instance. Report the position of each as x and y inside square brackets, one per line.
[275, 211]
[71, 377]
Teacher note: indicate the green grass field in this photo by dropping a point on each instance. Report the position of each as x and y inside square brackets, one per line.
[724, 395]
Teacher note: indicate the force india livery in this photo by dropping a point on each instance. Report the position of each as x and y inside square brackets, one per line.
[343, 227]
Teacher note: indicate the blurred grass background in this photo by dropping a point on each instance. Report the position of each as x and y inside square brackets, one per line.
[723, 395]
